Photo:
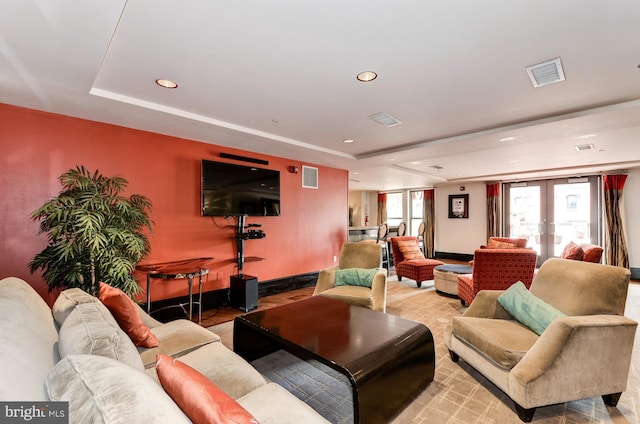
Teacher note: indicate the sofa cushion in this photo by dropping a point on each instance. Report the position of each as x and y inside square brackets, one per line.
[176, 338]
[268, 402]
[28, 340]
[102, 390]
[572, 251]
[410, 249]
[126, 313]
[527, 308]
[355, 277]
[353, 295]
[200, 399]
[90, 329]
[69, 299]
[504, 342]
[235, 376]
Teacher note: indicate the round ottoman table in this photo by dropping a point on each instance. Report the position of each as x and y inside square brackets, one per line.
[445, 277]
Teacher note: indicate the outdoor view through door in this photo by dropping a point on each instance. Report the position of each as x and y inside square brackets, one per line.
[552, 213]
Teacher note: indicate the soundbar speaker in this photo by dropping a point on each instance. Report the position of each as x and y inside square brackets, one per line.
[243, 293]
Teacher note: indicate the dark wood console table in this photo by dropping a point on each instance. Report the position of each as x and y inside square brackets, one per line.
[387, 359]
[177, 270]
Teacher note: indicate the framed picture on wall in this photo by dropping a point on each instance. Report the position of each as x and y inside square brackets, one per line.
[458, 206]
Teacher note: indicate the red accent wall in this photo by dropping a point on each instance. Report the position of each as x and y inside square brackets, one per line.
[37, 147]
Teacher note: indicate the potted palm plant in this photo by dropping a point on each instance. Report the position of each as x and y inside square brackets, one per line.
[94, 233]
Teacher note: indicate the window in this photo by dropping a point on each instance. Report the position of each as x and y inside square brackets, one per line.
[394, 209]
[417, 211]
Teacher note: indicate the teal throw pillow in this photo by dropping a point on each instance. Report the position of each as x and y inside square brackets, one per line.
[528, 309]
[355, 277]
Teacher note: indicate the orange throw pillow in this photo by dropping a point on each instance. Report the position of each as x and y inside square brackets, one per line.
[126, 314]
[410, 249]
[199, 398]
[495, 244]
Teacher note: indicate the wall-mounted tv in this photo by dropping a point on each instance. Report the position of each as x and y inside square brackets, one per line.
[231, 190]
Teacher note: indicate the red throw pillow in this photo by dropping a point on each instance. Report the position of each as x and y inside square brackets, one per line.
[126, 314]
[198, 397]
[410, 249]
[592, 253]
[572, 251]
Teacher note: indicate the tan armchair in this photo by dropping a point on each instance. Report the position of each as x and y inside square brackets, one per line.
[584, 354]
[356, 255]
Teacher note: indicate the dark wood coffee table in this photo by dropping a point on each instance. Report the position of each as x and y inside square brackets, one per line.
[388, 360]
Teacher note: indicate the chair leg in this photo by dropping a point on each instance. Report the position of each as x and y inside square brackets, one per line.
[462, 302]
[611, 399]
[419, 283]
[454, 356]
[399, 277]
[526, 415]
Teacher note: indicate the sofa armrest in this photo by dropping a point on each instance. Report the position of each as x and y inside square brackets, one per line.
[326, 280]
[591, 352]
[147, 319]
[485, 305]
[379, 291]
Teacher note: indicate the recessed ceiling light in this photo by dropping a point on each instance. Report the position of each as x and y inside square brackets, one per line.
[415, 162]
[165, 83]
[392, 159]
[504, 139]
[366, 76]
[348, 141]
[586, 136]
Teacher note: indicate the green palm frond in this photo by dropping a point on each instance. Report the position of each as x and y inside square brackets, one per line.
[94, 232]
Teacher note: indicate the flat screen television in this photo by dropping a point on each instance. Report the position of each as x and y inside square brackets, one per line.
[232, 190]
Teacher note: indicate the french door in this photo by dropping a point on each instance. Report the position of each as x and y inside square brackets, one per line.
[551, 213]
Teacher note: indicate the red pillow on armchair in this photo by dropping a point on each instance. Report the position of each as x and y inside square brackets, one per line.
[572, 251]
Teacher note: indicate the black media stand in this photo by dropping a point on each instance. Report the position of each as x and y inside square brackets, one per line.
[243, 292]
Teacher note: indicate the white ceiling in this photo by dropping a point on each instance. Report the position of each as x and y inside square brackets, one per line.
[279, 77]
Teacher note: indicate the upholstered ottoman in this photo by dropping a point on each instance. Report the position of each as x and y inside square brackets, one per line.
[417, 269]
[445, 277]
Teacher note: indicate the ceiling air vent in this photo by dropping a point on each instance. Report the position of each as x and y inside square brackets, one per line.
[583, 147]
[309, 177]
[386, 120]
[546, 73]
[438, 167]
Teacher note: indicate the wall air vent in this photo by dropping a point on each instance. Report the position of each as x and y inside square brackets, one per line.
[309, 177]
[386, 120]
[546, 73]
[583, 147]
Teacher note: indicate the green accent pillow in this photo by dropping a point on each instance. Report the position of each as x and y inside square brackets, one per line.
[528, 309]
[355, 277]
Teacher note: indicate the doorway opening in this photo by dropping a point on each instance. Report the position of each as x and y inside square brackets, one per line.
[552, 213]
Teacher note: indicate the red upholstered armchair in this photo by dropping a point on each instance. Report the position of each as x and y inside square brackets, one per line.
[497, 269]
[410, 261]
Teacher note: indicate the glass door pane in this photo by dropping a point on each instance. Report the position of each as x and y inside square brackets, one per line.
[573, 214]
[524, 217]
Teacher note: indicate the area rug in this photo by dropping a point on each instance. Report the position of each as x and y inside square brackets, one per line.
[458, 393]
[319, 386]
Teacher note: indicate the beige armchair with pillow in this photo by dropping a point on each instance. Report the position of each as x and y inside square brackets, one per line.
[565, 339]
[358, 279]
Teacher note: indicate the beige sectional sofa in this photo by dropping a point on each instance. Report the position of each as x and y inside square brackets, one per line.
[76, 352]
